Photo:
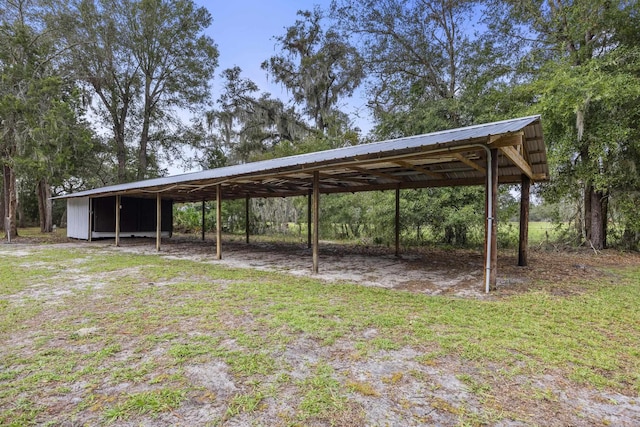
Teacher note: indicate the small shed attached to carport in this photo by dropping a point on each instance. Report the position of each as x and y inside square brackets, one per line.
[505, 152]
[93, 218]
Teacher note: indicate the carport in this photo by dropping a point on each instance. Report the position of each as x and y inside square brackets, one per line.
[505, 152]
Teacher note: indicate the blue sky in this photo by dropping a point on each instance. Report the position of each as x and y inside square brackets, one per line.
[244, 31]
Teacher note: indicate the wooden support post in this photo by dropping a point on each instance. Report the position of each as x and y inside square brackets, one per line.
[523, 247]
[246, 218]
[491, 226]
[316, 221]
[203, 220]
[397, 223]
[117, 220]
[90, 218]
[158, 221]
[309, 219]
[218, 222]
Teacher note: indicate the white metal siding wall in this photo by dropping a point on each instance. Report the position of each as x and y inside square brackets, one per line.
[78, 218]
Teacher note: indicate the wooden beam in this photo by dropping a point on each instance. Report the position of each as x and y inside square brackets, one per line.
[506, 140]
[515, 158]
[309, 210]
[326, 176]
[218, 222]
[388, 186]
[203, 186]
[247, 200]
[376, 173]
[158, 221]
[316, 219]
[469, 163]
[203, 220]
[419, 169]
[397, 222]
[169, 188]
[118, 220]
[523, 247]
[373, 160]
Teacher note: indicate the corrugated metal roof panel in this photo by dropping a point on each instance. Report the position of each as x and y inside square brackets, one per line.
[445, 138]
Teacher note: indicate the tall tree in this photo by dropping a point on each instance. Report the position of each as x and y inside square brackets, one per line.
[39, 125]
[176, 62]
[18, 62]
[583, 72]
[249, 124]
[102, 60]
[58, 144]
[144, 60]
[424, 75]
[318, 66]
[417, 58]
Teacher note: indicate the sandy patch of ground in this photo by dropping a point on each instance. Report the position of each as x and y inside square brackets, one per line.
[431, 271]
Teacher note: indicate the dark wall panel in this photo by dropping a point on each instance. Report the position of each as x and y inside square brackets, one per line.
[104, 214]
[136, 214]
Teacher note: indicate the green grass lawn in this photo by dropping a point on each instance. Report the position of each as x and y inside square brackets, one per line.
[99, 336]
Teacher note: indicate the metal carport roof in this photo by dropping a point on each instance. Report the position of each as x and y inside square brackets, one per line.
[446, 158]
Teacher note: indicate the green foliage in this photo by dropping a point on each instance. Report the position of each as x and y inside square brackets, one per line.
[322, 393]
[142, 60]
[153, 402]
[42, 138]
[578, 64]
[248, 402]
[248, 126]
[187, 217]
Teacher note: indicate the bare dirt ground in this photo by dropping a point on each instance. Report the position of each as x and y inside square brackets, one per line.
[431, 271]
[432, 394]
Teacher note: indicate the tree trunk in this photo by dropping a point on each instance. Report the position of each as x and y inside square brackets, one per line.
[44, 206]
[588, 192]
[146, 123]
[121, 154]
[2, 203]
[144, 142]
[597, 220]
[448, 234]
[20, 216]
[605, 218]
[10, 202]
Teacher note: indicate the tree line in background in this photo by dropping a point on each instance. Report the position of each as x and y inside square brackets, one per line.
[95, 92]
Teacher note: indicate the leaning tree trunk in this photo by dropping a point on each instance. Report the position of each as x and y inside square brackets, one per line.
[10, 202]
[43, 190]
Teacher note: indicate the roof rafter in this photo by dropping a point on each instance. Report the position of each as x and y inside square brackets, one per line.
[470, 163]
[420, 169]
[376, 173]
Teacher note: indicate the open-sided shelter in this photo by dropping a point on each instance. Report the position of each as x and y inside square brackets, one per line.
[504, 152]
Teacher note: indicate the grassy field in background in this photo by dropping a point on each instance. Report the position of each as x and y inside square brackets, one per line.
[96, 336]
[544, 232]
